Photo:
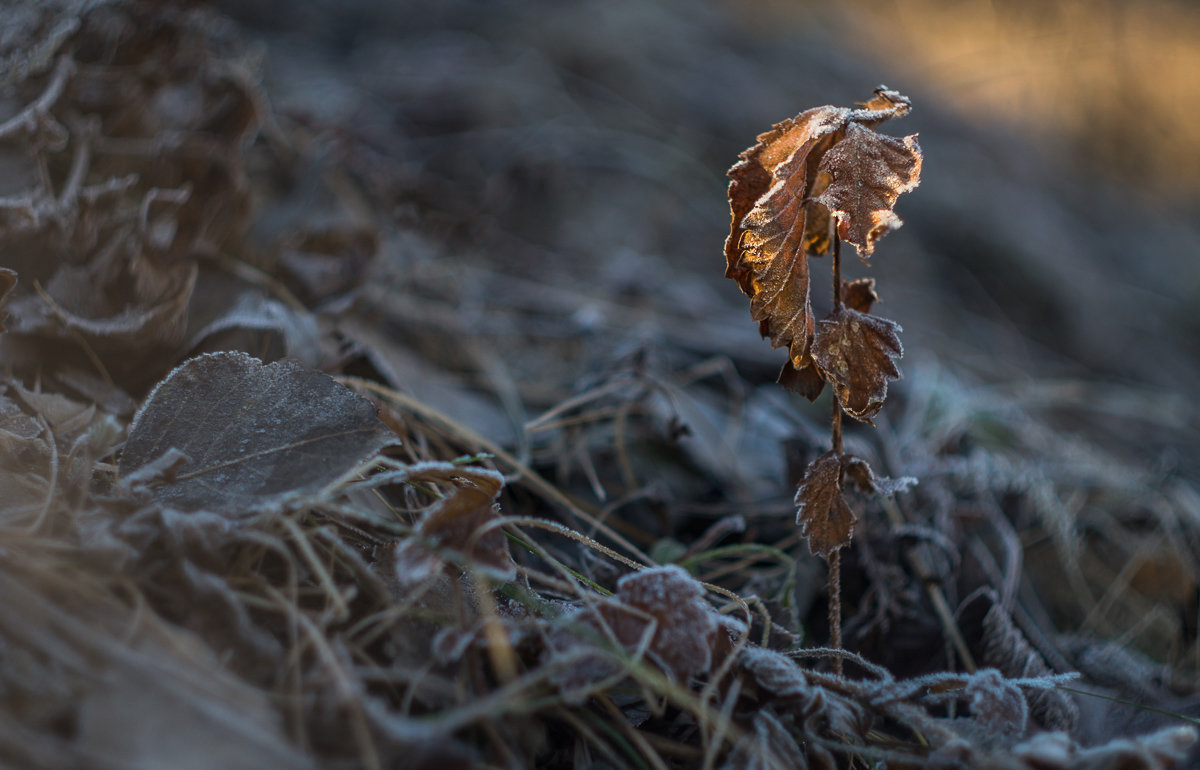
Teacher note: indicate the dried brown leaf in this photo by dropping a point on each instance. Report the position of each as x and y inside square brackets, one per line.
[859, 295]
[822, 513]
[997, 705]
[257, 436]
[868, 171]
[891, 103]
[454, 522]
[858, 471]
[686, 633]
[766, 248]
[783, 193]
[854, 352]
[686, 626]
[805, 380]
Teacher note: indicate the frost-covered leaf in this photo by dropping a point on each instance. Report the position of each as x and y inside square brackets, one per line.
[822, 513]
[768, 746]
[867, 171]
[854, 352]
[686, 625]
[47, 444]
[664, 602]
[1005, 647]
[859, 295]
[244, 317]
[804, 380]
[858, 471]
[783, 193]
[775, 679]
[454, 522]
[997, 705]
[256, 436]
[775, 675]
[765, 251]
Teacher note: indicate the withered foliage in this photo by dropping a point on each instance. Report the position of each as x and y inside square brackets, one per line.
[822, 513]
[823, 177]
[125, 189]
[245, 434]
[463, 522]
[263, 503]
[854, 352]
[824, 164]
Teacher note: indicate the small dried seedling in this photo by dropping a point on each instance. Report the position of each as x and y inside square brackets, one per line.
[811, 182]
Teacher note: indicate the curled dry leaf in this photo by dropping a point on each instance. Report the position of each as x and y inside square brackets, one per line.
[804, 380]
[859, 295]
[867, 172]
[854, 352]
[822, 513]
[454, 522]
[781, 196]
[256, 437]
[858, 471]
[766, 248]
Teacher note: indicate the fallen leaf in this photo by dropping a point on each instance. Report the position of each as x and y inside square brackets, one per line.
[666, 602]
[854, 353]
[256, 437]
[822, 513]
[685, 625]
[454, 522]
[997, 704]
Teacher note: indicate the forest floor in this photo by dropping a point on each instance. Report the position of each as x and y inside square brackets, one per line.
[478, 460]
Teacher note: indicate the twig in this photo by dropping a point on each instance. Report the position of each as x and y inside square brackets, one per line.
[29, 118]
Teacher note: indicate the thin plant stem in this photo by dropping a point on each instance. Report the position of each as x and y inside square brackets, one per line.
[837, 270]
[837, 306]
[835, 558]
[835, 606]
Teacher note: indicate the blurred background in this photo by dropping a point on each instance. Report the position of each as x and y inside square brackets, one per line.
[581, 146]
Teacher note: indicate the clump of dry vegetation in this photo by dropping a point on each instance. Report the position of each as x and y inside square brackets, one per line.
[257, 513]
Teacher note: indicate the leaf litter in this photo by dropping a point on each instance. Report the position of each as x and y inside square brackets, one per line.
[194, 584]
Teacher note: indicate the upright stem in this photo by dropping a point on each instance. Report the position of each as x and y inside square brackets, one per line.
[835, 558]
[837, 306]
[837, 271]
[835, 606]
